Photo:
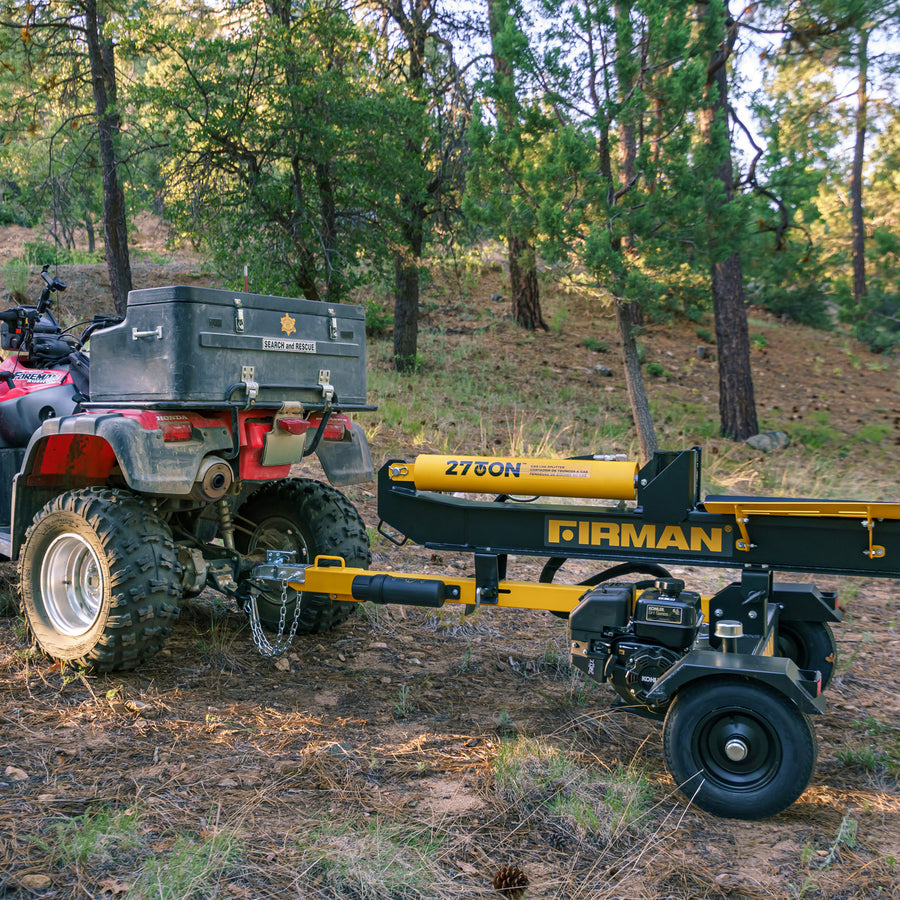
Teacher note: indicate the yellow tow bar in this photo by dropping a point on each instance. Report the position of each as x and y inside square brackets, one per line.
[329, 575]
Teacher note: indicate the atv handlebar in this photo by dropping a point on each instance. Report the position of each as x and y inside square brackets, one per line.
[99, 322]
[11, 316]
[22, 321]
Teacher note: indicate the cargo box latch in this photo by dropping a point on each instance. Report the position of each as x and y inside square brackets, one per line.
[325, 384]
[332, 328]
[238, 315]
[248, 379]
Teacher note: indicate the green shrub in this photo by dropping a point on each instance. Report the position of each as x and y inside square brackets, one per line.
[15, 276]
[12, 214]
[808, 307]
[378, 318]
[44, 253]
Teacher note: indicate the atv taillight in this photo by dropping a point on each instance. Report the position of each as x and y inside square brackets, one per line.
[294, 425]
[335, 428]
[334, 431]
[176, 431]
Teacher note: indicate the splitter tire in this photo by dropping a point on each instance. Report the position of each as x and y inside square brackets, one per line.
[738, 748]
[312, 519]
[99, 580]
[810, 645]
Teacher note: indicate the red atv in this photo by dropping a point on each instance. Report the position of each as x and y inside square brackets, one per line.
[159, 463]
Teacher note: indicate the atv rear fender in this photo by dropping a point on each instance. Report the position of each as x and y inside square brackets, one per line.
[153, 458]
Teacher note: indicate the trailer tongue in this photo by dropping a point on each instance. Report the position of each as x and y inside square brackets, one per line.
[733, 676]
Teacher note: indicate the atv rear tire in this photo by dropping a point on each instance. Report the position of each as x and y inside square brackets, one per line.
[99, 580]
[312, 519]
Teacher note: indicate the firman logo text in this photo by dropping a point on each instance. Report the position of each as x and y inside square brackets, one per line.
[584, 533]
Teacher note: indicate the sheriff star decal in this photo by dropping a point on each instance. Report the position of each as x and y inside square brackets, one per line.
[288, 324]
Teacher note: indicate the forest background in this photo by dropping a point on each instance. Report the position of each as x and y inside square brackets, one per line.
[664, 159]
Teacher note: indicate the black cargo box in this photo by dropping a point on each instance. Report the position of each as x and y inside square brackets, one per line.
[208, 347]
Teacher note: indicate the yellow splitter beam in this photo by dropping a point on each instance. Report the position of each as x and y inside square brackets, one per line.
[590, 478]
[329, 575]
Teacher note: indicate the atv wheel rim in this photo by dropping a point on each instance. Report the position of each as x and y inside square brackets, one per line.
[71, 584]
[277, 533]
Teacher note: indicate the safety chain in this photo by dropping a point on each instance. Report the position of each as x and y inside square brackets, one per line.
[265, 647]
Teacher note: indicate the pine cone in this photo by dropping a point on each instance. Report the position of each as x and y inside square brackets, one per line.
[557, 839]
[511, 881]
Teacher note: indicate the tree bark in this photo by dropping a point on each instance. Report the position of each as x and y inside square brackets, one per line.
[406, 312]
[406, 289]
[634, 383]
[523, 281]
[630, 313]
[414, 23]
[526, 300]
[737, 406]
[115, 224]
[858, 226]
[737, 413]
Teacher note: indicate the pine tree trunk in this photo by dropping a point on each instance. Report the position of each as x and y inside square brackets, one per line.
[737, 413]
[630, 314]
[406, 312]
[115, 224]
[856, 179]
[737, 405]
[523, 281]
[634, 383]
[526, 301]
[406, 290]
[414, 20]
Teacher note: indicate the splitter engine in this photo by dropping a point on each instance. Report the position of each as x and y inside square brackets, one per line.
[631, 634]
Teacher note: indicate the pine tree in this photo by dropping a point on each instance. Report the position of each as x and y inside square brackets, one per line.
[507, 42]
[737, 406]
[67, 57]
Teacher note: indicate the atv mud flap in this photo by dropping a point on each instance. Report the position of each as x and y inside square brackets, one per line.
[347, 462]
